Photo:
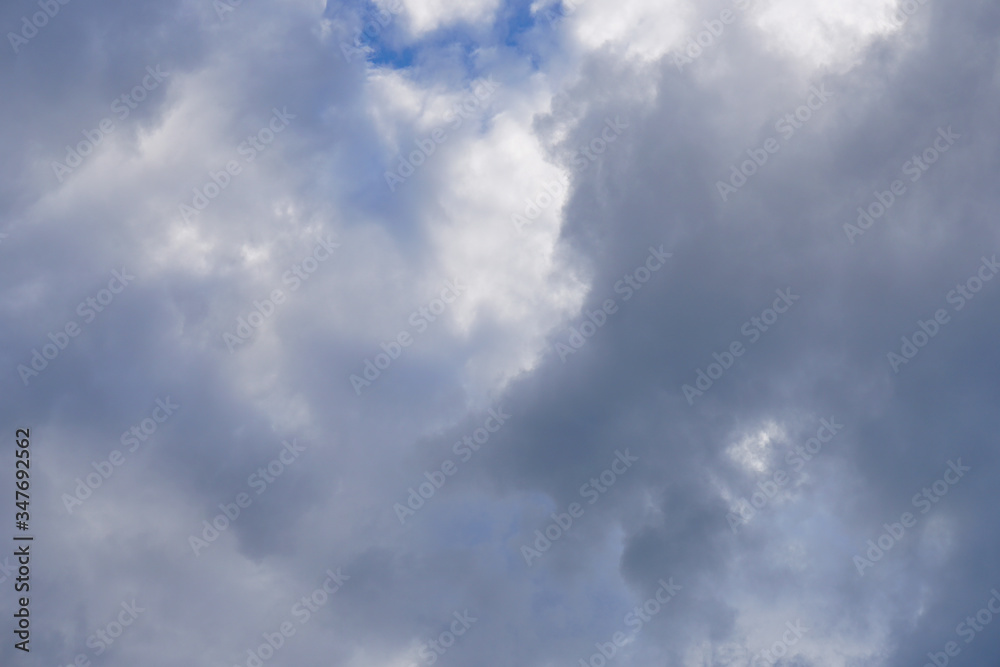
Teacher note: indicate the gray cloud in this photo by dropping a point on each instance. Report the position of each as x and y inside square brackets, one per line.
[497, 346]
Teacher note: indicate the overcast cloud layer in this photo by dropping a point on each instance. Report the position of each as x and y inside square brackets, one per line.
[655, 332]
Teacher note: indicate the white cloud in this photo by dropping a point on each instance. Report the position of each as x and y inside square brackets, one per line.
[427, 15]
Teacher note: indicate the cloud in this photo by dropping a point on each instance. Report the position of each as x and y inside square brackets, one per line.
[542, 154]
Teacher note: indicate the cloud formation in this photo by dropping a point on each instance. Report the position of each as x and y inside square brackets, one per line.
[557, 331]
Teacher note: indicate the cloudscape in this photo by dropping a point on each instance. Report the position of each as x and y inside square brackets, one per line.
[591, 333]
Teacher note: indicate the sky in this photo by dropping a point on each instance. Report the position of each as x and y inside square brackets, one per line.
[495, 333]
